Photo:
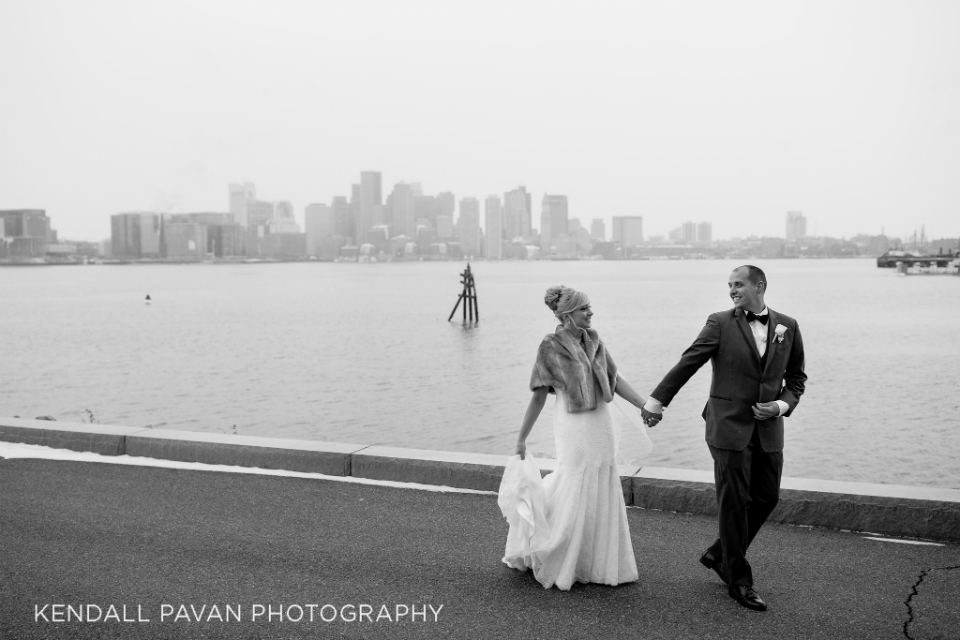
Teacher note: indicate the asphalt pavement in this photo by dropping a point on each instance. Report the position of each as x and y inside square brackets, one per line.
[196, 554]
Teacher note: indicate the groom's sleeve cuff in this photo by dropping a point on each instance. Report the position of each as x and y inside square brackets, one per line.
[653, 405]
[784, 407]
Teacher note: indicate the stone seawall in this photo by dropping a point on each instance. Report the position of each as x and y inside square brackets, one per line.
[917, 512]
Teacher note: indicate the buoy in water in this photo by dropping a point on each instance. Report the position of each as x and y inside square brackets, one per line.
[147, 300]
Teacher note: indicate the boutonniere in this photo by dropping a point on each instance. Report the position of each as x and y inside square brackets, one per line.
[780, 330]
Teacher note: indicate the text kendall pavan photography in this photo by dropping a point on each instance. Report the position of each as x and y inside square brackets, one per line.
[500, 320]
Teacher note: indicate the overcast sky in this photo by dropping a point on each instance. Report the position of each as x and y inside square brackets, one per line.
[727, 112]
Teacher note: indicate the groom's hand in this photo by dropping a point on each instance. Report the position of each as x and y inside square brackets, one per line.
[765, 410]
[649, 418]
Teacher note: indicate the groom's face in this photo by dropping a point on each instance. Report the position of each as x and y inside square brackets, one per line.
[744, 293]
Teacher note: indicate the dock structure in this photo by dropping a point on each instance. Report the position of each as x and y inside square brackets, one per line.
[471, 312]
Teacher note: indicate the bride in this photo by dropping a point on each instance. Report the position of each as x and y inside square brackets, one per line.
[589, 536]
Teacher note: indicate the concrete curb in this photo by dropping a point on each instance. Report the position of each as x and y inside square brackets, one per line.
[920, 512]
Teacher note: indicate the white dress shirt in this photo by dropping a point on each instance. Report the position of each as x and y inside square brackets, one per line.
[760, 337]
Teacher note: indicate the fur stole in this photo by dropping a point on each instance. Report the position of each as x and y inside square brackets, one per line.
[562, 363]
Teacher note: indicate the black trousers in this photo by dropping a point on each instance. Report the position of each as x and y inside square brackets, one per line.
[748, 488]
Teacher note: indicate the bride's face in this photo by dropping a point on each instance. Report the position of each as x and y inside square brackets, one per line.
[581, 317]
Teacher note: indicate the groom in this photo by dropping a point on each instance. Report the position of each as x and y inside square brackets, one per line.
[758, 379]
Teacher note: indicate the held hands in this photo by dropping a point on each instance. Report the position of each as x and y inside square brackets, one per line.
[765, 410]
[649, 418]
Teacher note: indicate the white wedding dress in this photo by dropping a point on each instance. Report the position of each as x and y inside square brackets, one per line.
[589, 536]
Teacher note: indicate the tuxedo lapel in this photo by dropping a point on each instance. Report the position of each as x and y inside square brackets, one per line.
[747, 333]
[771, 343]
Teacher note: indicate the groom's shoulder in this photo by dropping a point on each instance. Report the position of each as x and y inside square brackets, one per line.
[784, 319]
[723, 317]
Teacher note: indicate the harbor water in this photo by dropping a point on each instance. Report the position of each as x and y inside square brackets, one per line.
[364, 353]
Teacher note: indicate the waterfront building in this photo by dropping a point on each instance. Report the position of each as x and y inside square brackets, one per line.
[493, 219]
[598, 230]
[284, 246]
[628, 231]
[371, 195]
[796, 225]
[135, 235]
[444, 227]
[426, 208]
[226, 240]
[331, 246]
[259, 213]
[553, 220]
[704, 232]
[446, 204]
[25, 235]
[343, 221]
[468, 227]
[319, 223]
[185, 240]
[239, 195]
[517, 212]
[689, 233]
[403, 211]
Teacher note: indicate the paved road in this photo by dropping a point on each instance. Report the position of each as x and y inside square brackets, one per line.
[85, 533]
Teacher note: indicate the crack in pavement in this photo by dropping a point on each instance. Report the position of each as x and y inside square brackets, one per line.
[914, 592]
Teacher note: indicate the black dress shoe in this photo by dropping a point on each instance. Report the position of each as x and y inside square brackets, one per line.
[747, 597]
[711, 563]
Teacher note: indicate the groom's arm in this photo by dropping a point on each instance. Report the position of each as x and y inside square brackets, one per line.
[794, 380]
[690, 362]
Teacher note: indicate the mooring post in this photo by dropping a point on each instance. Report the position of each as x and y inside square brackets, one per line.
[469, 298]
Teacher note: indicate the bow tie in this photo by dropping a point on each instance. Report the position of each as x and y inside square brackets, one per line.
[751, 316]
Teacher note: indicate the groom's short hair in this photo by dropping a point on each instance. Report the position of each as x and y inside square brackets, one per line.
[755, 274]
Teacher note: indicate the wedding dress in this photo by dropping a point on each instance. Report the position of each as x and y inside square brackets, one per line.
[589, 538]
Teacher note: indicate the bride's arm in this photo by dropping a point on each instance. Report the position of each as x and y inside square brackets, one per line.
[537, 401]
[625, 391]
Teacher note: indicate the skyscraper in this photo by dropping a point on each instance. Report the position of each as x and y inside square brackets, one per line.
[796, 225]
[494, 228]
[553, 219]
[402, 214]
[371, 196]
[320, 223]
[468, 227]
[135, 235]
[689, 232]
[598, 230]
[240, 194]
[343, 221]
[517, 214]
[704, 232]
[628, 230]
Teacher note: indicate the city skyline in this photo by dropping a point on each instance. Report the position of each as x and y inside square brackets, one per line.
[728, 113]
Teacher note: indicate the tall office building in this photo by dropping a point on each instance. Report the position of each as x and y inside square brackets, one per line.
[446, 204]
[468, 227]
[598, 230]
[342, 220]
[444, 227]
[371, 195]
[517, 214]
[403, 212]
[135, 235]
[553, 219]
[628, 230]
[426, 208]
[493, 228]
[240, 194]
[705, 232]
[796, 225]
[689, 232]
[25, 234]
[319, 223]
[259, 213]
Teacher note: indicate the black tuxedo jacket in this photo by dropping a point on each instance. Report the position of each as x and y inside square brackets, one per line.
[741, 379]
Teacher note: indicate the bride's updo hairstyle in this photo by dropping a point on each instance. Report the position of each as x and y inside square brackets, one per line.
[562, 300]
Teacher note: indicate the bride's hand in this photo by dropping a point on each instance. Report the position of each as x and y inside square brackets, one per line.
[522, 449]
